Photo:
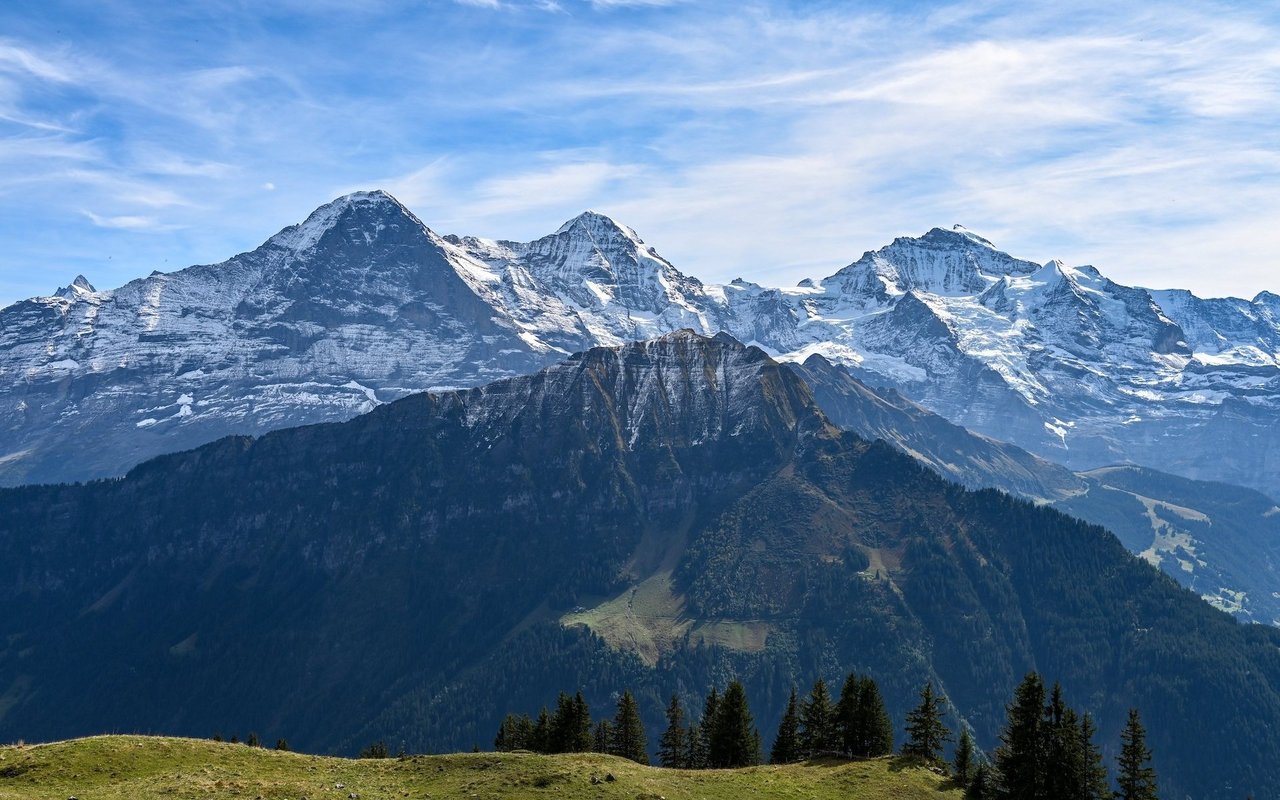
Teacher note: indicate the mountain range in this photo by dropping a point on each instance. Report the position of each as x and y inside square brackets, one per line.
[660, 515]
[362, 304]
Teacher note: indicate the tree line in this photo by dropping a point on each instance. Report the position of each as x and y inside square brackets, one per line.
[1047, 749]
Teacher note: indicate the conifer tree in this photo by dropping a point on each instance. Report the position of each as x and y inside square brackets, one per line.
[926, 733]
[252, 741]
[867, 728]
[1136, 778]
[514, 734]
[628, 731]
[697, 754]
[602, 739]
[817, 718]
[734, 740]
[570, 730]
[786, 745]
[983, 784]
[282, 745]
[1064, 763]
[706, 726]
[673, 747]
[1020, 759]
[877, 726]
[1096, 784]
[561, 725]
[963, 764]
[580, 730]
[541, 740]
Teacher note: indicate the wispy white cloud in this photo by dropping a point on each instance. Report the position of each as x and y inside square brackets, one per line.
[773, 140]
[129, 222]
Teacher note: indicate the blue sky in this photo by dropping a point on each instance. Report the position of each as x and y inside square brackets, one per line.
[772, 141]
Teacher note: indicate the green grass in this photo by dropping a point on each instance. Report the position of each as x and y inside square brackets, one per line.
[110, 767]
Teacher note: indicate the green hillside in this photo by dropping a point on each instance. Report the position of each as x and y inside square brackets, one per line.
[135, 767]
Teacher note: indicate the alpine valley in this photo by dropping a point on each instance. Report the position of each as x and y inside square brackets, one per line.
[660, 515]
[996, 372]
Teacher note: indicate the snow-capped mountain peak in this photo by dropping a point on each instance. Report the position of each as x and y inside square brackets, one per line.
[361, 214]
[79, 286]
[362, 303]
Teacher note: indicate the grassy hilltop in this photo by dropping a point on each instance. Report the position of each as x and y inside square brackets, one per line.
[134, 767]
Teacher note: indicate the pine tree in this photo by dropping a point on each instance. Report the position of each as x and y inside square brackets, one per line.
[962, 765]
[982, 787]
[580, 731]
[875, 726]
[1096, 784]
[863, 725]
[697, 754]
[926, 733]
[734, 741]
[602, 739]
[673, 748]
[570, 730]
[706, 726]
[282, 745]
[1136, 778]
[252, 741]
[1020, 760]
[541, 741]
[628, 731]
[514, 734]
[817, 717]
[1064, 764]
[786, 745]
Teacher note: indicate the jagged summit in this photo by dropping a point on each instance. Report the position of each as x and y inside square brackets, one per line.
[361, 213]
[594, 223]
[76, 288]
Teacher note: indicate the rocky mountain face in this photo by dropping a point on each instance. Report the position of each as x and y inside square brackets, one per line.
[659, 515]
[362, 304]
[1218, 540]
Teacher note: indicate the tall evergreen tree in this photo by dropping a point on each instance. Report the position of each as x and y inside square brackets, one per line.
[926, 732]
[734, 740]
[541, 742]
[817, 718]
[1135, 776]
[983, 785]
[602, 739]
[628, 731]
[706, 726]
[1097, 786]
[874, 724]
[862, 723]
[1020, 759]
[786, 745]
[1064, 762]
[697, 754]
[514, 734]
[673, 748]
[580, 730]
[964, 762]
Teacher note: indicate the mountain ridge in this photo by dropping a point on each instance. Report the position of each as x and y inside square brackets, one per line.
[363, 303]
